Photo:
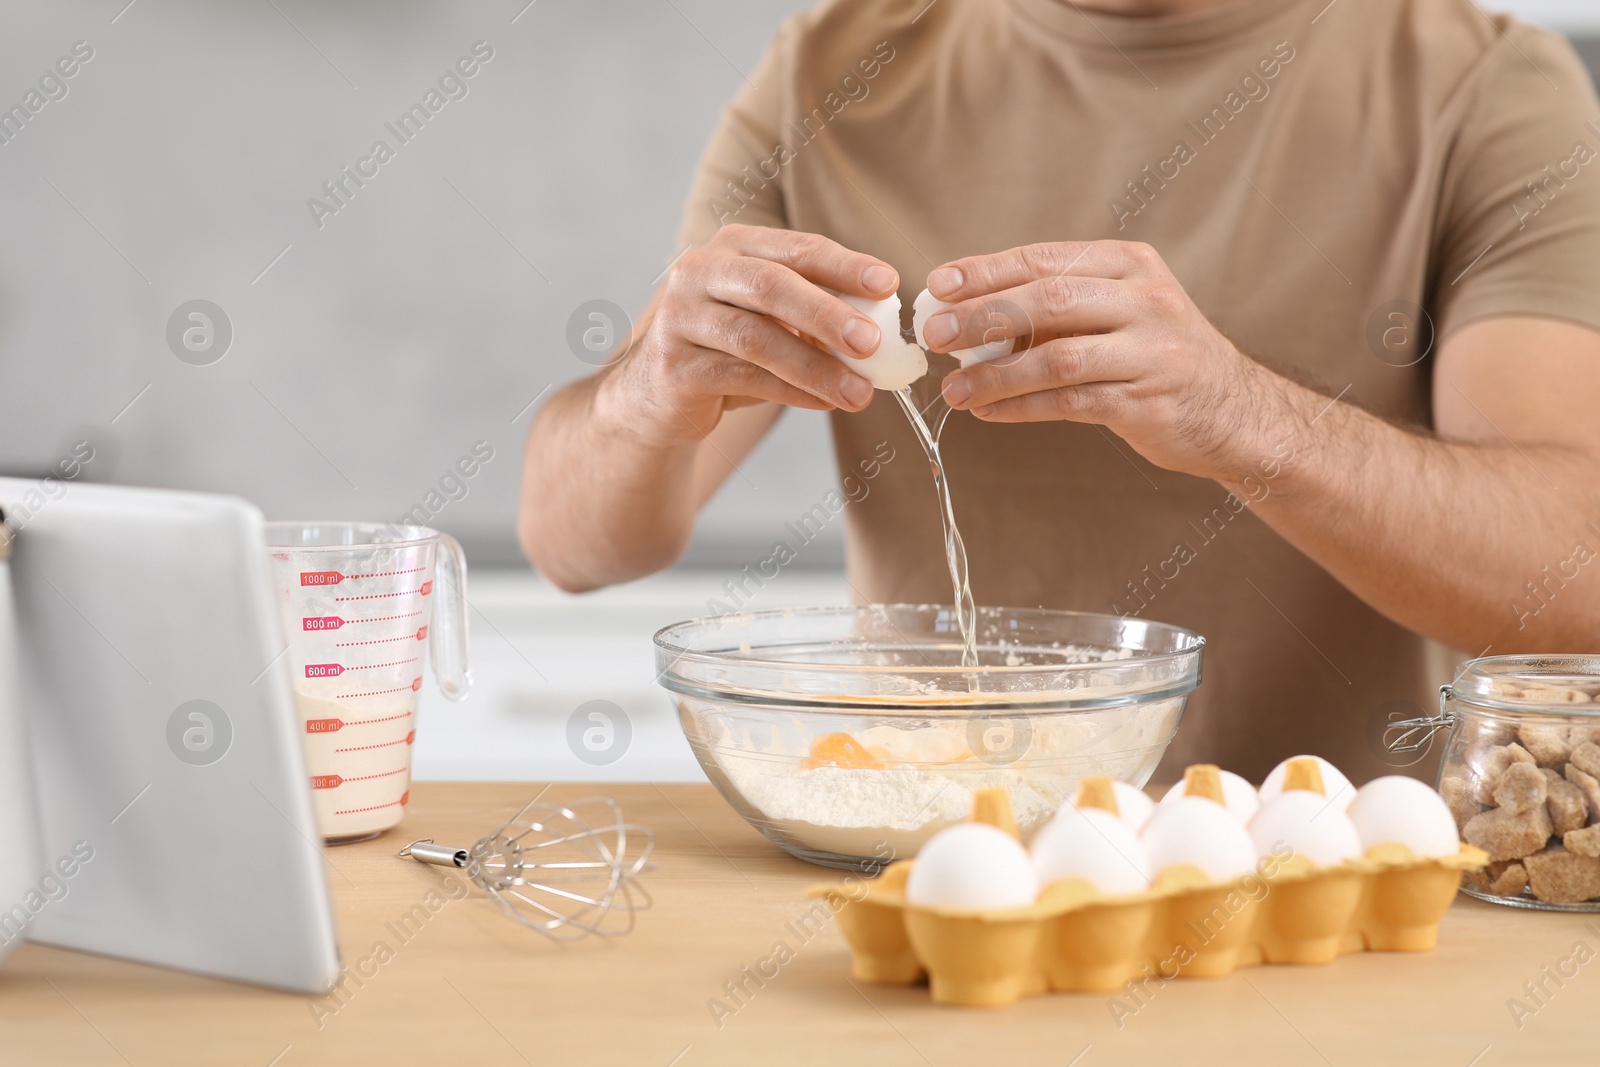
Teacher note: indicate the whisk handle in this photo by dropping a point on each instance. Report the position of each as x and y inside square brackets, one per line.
[442, 855]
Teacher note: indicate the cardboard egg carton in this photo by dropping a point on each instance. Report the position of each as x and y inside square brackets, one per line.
[1074, 939]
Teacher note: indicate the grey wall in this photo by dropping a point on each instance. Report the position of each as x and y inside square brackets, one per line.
[426, 314]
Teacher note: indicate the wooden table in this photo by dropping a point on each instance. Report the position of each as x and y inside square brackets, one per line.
[469, 987]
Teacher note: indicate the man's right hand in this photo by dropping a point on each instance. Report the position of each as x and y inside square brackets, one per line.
[739, 321]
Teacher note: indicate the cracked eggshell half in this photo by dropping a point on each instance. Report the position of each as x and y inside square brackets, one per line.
[926, 305]
[896, 363]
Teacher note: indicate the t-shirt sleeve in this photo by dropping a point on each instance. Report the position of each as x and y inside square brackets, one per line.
[739, 178]
[1520, 232]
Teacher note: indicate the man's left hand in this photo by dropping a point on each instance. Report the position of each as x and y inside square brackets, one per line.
[1112, 338]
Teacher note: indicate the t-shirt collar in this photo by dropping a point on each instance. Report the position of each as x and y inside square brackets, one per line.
[1081, 25]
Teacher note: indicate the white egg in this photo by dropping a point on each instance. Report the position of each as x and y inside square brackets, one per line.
[1093, 844]
[896, 363]
[926, 305]
[1238, 796]
[1134, 805]
[972, 865]
[1199, 833]
[1309, 824]
[1334, 783]
[1400, 810]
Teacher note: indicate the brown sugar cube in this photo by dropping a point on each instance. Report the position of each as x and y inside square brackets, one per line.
[1508, 835]
[1584, 842]
[1521, 787]
[1457, 795]
[1552, 694]
[1589, 786]
[1580, 734]
[1547, 744]
[1586, 757]
[1488, 766]
[1557, 876]
[1568, 809]
[1484, 877]
[1512, 881]
[1487, 733]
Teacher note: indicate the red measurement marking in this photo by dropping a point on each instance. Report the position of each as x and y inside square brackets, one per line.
[381, 744]
[333, 726]
[422, 632]
[391, 574]
[415, 685]
[280, 555]
[321, 622]
[326, 781]
[386, 718]
[378, 641]
[411, 737]
[334, 670]
[320, 578]
[396, 663]
[385, 774]
[404, 797]
[426, 588]
[386, 618]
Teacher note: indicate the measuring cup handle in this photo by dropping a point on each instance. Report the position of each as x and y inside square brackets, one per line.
[447, 639]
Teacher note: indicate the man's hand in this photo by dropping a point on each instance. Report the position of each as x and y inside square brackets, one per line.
[1113, 339]
[735, 324]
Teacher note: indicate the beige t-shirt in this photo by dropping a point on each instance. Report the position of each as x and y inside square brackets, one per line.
[1307, 170]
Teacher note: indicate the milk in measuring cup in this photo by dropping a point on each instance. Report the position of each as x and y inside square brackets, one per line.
[364, 605]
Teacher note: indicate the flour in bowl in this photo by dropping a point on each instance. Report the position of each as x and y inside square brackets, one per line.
[930, 777]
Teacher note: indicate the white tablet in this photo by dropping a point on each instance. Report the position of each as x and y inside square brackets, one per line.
[25, 886]
[173, 800]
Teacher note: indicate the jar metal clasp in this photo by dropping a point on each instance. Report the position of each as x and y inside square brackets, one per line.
[1414, 734]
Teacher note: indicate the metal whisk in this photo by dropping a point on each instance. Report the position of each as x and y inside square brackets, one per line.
[554, 870]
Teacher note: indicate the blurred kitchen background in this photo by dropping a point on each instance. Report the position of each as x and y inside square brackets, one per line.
[373, 347]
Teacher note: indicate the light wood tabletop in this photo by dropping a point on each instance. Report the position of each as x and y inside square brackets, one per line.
[469, 987]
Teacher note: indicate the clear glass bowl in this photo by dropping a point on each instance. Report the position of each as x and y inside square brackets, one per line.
[849, 735]
[1540, 710]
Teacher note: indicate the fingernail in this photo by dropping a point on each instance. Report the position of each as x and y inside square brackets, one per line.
[856, 389]
[879, 279]
[945, 280]
[941, 329]
[984, 412]
[957, 390]
[861, 335]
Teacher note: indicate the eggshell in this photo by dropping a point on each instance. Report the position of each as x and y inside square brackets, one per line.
[896, 363]
[1396, 809]
[1333, 780]
[1310, 825]
[1092, 844]
[1199, 833]
[1238, 796]
[971, 866]
[926, 305]
[1134, 805]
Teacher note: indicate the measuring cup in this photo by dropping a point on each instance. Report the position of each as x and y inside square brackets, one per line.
[360, 602]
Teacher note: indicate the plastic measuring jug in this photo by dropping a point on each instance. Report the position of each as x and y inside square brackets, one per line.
[362, 603]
